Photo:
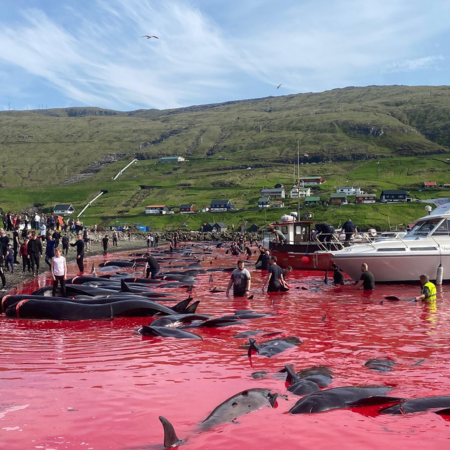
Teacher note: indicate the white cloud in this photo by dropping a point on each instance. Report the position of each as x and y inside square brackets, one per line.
[212, 51]
[414, 64]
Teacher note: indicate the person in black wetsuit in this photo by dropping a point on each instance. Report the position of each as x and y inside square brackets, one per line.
[151, 266]
[367, 280]
[275, 280]
[338, 277]
[79, 244]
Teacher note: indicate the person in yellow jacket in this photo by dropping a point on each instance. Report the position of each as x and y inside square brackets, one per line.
[428, 290]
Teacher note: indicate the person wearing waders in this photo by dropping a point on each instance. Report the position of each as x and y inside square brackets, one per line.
[114, 238]
[9, 259]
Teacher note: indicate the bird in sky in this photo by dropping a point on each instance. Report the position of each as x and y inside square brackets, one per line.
[149, 37]
[278, 87]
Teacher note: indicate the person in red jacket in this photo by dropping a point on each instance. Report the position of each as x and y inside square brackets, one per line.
[23, 252]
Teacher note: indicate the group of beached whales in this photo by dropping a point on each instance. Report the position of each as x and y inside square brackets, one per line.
[107, 296]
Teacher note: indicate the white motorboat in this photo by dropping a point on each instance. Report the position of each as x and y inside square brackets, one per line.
[421, 251]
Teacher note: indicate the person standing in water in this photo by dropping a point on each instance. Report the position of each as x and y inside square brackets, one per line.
[428, 293]
[241, 280]
[367, 280]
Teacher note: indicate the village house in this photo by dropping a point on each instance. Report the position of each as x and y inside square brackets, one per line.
[366, 198]
[278, 204]
[312, 201]
[394, 196]
[273, 193]
[171, 159]
[349, 190]
[220, 205]
[310, 181]
[429, 184]
[338, 199]
[63, 210]
[157, 209]
[187, 208]
[264, 202]
[302, 192]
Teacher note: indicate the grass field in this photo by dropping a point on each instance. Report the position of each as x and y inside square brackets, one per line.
[375, 138]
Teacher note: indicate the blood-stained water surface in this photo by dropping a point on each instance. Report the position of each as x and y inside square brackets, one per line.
[99, 385]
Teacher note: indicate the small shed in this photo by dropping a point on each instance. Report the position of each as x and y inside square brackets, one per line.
[171, 159]
[207, 227]
[338, 199]
[429, 184]
[394, 196]
[63, 209]
[187, 208]
[366, 198]
[157, 209]
[312, 201]
[278, 204]
[220, 226]
[264, 202]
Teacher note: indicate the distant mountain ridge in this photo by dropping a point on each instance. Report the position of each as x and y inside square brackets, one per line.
[48, 146]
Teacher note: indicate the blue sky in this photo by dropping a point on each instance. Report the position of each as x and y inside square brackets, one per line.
[92, 53]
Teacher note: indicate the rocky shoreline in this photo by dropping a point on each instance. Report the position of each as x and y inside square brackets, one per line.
[137, 241]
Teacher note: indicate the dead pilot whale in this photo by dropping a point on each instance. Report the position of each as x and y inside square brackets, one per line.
[238, 405]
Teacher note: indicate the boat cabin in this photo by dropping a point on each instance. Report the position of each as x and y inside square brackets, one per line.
[296, 232]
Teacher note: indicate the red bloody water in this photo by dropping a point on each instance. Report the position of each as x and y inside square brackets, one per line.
[97, 385]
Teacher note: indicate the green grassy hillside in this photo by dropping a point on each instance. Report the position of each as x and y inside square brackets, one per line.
[373, 137]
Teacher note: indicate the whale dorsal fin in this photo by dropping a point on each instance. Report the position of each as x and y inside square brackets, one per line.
[170, 437]
[124, 286]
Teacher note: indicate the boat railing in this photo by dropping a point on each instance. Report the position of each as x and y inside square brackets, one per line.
[326, 244]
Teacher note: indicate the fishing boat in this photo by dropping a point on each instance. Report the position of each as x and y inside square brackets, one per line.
[299, 250]
[424, 250]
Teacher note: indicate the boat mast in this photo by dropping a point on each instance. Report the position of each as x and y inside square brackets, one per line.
[298, 180]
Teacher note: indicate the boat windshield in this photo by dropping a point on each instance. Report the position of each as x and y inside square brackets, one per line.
[437, 227]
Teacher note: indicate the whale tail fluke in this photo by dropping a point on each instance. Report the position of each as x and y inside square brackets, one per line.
[170, 437]
[253, 347]
[291, 375]
[273, 399]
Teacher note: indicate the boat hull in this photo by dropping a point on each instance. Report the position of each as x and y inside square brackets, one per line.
[394, 268]
[313, 261]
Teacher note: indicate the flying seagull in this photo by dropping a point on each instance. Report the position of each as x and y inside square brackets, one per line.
[278, 87]
[149, 37]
